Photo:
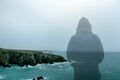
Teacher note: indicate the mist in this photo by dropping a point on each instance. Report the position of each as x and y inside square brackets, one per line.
[49, 24]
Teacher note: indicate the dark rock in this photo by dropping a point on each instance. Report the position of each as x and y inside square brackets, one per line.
[29, 59]
[4, 59]
[40, 78]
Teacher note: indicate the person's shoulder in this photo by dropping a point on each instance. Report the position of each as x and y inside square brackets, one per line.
[73, 36]
[96, 37]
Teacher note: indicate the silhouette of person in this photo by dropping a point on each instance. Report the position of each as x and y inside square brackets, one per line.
[85, 52]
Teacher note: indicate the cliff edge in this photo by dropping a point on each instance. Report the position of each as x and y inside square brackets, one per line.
[26, 57]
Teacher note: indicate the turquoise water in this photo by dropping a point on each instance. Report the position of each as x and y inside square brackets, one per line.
[110, 69]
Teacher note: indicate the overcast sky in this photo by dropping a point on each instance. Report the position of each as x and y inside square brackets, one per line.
[49, 24]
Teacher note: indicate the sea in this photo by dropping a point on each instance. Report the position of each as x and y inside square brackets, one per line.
[109, 68]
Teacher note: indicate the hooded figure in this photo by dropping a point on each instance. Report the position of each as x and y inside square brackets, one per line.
[85, 52]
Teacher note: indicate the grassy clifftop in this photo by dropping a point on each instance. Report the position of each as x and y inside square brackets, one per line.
[26, 57]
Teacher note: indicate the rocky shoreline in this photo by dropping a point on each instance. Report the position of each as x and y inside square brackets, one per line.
[27, 57]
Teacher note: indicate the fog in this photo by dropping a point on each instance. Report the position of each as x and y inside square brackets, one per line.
[49, 24]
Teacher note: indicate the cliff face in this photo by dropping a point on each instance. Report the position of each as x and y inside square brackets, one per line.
[26, 57]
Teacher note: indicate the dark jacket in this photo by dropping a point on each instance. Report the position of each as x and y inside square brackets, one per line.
[84, 46]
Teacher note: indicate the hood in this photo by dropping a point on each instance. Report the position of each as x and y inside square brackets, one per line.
[84, 26]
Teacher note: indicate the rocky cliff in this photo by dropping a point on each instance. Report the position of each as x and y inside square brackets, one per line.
[26, 57]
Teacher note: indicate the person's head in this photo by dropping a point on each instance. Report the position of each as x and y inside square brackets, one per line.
[84, 26]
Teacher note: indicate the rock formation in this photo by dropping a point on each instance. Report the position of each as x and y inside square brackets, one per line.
[26, 57]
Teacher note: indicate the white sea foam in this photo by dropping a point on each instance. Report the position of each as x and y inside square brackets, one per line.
[60, 66]
[3, 77]
[41, 66]
[45, 78]
[108, 72]
[26, 79]
[60, 63]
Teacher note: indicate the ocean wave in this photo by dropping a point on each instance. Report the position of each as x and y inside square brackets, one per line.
[45, 78]
[3, 77]
[60, 63]
[26, 79]
[41, 66]
[44, 66]
[108, 72]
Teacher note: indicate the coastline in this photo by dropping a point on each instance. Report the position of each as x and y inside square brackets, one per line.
[27, 57]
